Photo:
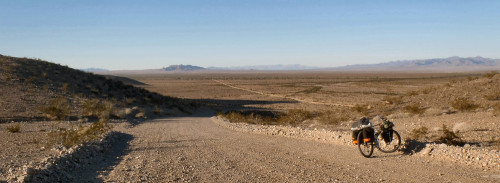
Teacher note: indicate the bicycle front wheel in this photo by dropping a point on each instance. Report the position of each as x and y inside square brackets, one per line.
[389, 144]
[365, 148]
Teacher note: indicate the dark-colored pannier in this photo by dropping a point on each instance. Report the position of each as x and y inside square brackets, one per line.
[365, 127]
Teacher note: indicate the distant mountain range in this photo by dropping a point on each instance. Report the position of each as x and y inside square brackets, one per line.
[279, 67]
[451, 64]
[94, 70]
[182, 68]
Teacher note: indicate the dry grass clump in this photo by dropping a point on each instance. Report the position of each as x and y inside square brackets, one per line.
[449, 137]
[293, 117]
[57, 109]
[419, 133]
[463, 104]
[414, 109]
[97, 108]
[69, 137]
[445, 136]
[252, 117]
[14, 128]
[490, 74]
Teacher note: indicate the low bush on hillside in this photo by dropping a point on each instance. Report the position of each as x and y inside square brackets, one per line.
[57, 109]
[97, 108]
[463, 104]
[490, 74]
[69, 137]
[13, 128]
[414, 109]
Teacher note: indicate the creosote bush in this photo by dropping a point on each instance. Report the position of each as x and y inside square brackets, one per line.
[463, 104]
[57, 109]
[449, 137]
[490, 74]
[97, 108]
[444, 135]
[419, 133]
[13, 128]
[69, 137]
[292, 117]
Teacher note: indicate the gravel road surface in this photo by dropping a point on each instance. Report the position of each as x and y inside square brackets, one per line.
[195, 149]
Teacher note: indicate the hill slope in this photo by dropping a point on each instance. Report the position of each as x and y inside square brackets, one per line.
[28, 85]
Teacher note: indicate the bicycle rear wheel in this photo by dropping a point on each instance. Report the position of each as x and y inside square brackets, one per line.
[391, 144]
[365, 148]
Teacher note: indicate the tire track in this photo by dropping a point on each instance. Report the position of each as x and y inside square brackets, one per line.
[283, 97]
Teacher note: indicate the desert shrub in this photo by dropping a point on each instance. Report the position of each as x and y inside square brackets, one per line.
[414, 109]
[97, 108]
[470, 78]
[449, 137]
[13, 128]
[64, 87]
[157, 110]
[393, 100]
[490, 74]
[419, 133]
[463, 104]
[251, 117]
[69, 137]
[57, 109]
[295, 116]
[311, 90]
[130, 101]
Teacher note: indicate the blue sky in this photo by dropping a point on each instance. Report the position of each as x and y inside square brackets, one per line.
[145, 34]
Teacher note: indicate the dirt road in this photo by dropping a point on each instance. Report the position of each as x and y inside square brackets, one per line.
[194, 149]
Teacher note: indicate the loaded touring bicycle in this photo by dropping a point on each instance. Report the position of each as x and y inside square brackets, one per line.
[366, 136]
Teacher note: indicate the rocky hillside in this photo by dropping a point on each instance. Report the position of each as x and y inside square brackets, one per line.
[475, 94]
[30, 85]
